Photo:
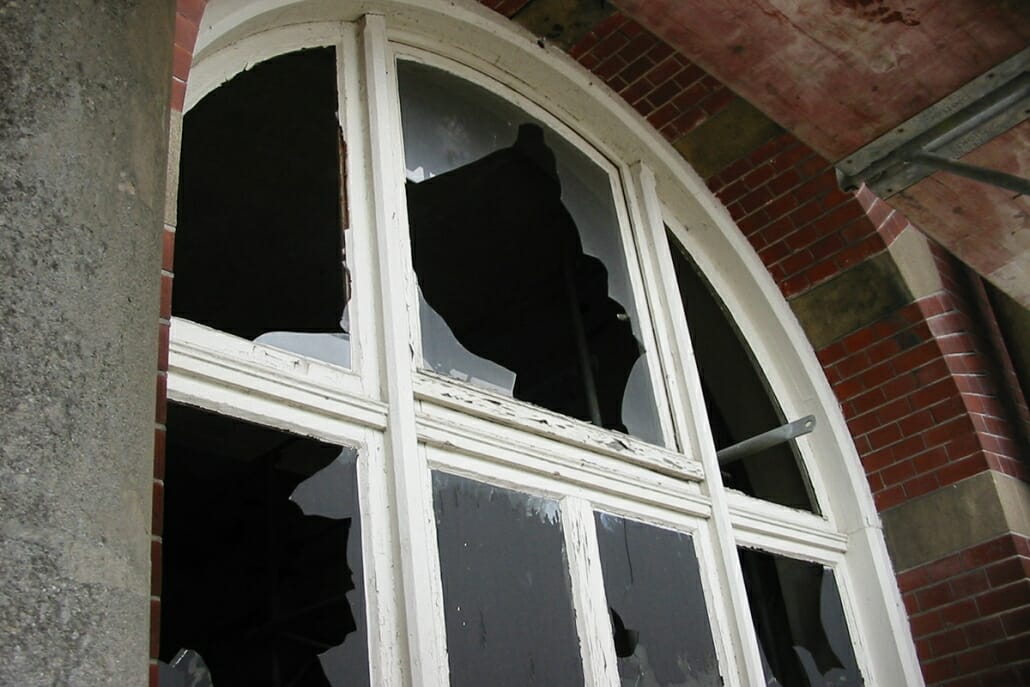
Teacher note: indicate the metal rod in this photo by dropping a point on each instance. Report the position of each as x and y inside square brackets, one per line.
[976, 115]
[760, 442]
[981, 174]
[966, 121]
[585, 368]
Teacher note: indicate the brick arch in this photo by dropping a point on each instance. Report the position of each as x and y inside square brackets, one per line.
[916, 377]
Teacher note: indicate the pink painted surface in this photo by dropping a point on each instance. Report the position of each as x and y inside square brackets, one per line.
[986, 227]
[839, 73]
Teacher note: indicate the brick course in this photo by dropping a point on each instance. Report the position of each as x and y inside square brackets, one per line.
[667, 89]
[970, 614]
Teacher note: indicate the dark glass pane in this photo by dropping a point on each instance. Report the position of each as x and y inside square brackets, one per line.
[506, 588]
[737, 395]
[259, 243]
[653, 586]
[262, 573]
[799, 620]
[517, 248]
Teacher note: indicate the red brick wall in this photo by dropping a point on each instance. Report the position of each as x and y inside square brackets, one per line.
[667, 89]
[187, 25]
[785, 200]
[970, 614]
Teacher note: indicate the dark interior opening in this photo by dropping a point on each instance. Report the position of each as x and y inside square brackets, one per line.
[798, 617]
[506, 589]
[656, 602]
[499, 258]
[259, 245]
[261, 555]
[737, 396]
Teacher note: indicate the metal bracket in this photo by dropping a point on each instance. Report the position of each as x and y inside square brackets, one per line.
[935, 138]
[760, 442]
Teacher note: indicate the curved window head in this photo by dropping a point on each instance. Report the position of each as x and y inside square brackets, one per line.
[516, 245]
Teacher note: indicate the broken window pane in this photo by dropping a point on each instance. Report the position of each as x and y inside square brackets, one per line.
[802, 632]
[737, 396]
[506, 587]
[659, 621]
[262, 566]
[516, 245]
[259, 249]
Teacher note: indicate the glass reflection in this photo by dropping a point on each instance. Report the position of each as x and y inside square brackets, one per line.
[506, 587]
[517, 249]
[660, 625]
[799, 619]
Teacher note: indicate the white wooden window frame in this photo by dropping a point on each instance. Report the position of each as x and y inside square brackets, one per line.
[407, 422]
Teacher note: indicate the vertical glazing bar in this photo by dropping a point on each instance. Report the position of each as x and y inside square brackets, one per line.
[592, 620]
[383, 618]
[412, 491]
[691, 421]
[359, 238]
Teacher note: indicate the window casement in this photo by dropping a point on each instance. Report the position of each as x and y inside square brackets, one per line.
[436, 298]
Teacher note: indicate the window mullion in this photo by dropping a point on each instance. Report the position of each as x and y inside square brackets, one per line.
[358, 237]
[639, 276]
[689, 415]
[592, 620]
[426, 646]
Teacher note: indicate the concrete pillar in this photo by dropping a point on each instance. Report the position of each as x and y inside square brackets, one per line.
[84, 91]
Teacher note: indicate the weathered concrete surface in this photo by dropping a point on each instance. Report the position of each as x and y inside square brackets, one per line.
[83, 135]
[956, 517]
[725, 137]
[853, 299]
[563, 22]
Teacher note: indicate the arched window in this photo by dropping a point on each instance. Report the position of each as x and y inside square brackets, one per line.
[464, 365]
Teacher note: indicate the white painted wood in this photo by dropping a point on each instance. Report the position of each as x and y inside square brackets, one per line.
[427, 655]
[720, 614]
[593, 623]
[382, 586]
[633, 242]
[575, 467]
[490, 49]
[365, 318]
[242, 55]
[867, 573]
[646, 215]
[229, 367]
[698, 435]
[502, 411]
[784, 531]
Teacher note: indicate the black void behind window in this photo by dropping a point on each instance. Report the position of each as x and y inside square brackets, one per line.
[506, 587]
[262, 567]
[739, 402]
[516, 245]
[259, 244]
[657, 606]
[799, 619]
